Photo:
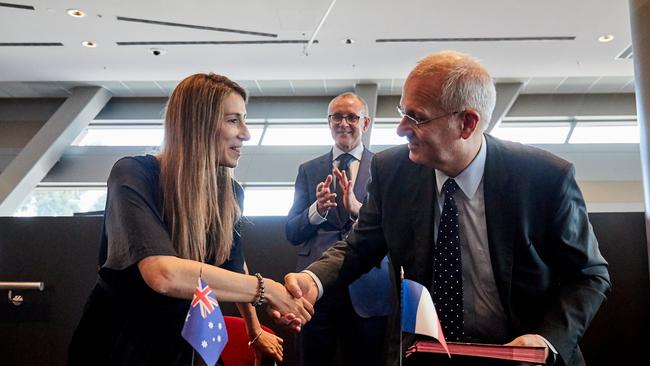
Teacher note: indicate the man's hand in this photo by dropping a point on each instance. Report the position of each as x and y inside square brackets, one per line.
[285, 308]
[324, 197]
[530, 340]
[303, 288]
[301, 285]
[352, 205]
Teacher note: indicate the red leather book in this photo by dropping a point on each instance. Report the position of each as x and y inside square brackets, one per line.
[495, 351]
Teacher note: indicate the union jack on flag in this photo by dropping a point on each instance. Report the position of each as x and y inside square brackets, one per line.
[204, 328]
[204, 298]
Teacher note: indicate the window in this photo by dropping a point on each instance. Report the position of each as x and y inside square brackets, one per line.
[67, 201]
[256, 132]
[62, 201]
[386, 134]
[572, 130]
[304, 135]
[120, 136]
[603, 132]
[268, 201]
[533, 132]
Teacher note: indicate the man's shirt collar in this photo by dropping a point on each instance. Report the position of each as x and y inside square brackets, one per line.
[470, 178]
[357, 152]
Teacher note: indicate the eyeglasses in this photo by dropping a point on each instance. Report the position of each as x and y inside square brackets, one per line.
[421, 121]
[338, 118]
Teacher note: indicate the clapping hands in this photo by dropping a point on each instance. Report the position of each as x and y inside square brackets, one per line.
[350, 201]
[324, 196]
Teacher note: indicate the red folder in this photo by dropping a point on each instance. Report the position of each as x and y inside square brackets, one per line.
[496, 351]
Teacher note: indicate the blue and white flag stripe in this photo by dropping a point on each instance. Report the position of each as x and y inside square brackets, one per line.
[418, 313]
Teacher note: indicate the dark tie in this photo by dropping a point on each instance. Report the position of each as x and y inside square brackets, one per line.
[448, 270]
[344, 166]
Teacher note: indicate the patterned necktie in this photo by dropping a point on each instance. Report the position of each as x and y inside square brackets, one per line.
[344, 166]
[448, 272]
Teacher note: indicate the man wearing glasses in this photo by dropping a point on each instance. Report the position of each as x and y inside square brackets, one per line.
[324, 209]
[497, 231]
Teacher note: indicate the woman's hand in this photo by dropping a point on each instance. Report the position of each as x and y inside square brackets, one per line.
[283, 304]
[267, 345]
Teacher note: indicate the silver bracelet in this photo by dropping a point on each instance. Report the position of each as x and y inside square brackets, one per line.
[250, 343]
[260, 291]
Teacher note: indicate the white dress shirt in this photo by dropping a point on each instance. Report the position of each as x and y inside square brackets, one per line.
[483, 312]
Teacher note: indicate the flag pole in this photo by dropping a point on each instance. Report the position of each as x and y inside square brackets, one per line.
[401, 304]
[193, 350]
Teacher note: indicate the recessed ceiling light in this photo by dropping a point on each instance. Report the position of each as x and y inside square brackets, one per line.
[89, 44]
[605, 38]
[347, 41]
[76, 13]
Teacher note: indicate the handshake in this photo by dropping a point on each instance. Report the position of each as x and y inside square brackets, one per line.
[292, 305]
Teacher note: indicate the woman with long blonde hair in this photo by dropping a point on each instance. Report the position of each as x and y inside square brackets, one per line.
[170, 218]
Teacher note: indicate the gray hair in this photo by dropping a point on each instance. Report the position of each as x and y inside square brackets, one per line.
[465, 83]
[350, 95]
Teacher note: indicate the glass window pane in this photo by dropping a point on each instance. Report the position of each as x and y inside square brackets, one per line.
[297, 120]
[120, 136]
[528, 133]
[256, 134]
[386, 135]
[268, 201]
[62, 202]
[297, 136]
[596, 133]
[260, 201]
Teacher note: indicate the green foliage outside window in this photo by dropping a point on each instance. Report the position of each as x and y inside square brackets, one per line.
[62, 202]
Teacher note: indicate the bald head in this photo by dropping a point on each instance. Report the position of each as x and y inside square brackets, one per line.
[461, 81]
[349, 95]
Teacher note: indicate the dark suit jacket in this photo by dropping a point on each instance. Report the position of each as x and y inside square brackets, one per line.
[549, 271]
[370, 295]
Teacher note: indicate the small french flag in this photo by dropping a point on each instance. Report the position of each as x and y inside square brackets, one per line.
[418, 313]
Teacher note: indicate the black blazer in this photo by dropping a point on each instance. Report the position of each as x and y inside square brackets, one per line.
[549, 271]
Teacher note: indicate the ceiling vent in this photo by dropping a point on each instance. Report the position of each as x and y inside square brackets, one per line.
[31, 44]
[192, 26]
[475, 39]
[191, 43]
[626, 54]
[17, 6]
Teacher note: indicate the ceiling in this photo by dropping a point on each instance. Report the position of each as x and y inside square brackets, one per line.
[388, 38]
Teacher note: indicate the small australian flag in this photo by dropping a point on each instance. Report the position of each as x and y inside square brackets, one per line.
[204, 327]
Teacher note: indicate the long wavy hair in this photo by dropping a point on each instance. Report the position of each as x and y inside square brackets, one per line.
[200, 207]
